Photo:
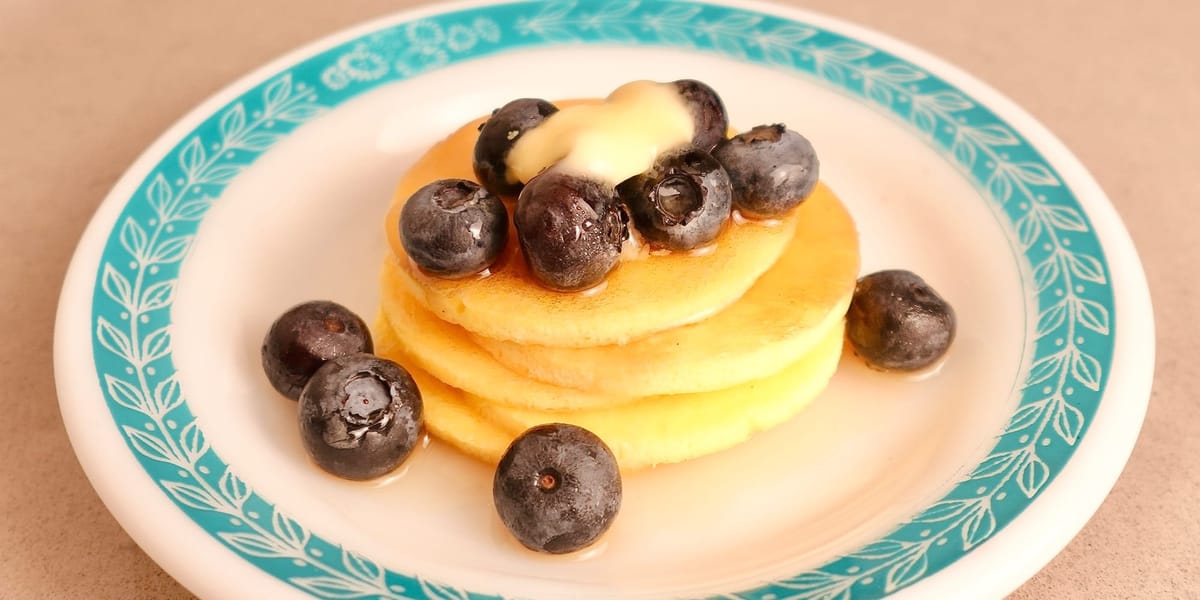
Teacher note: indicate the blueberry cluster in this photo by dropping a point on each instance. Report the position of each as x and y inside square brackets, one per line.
[360, 415]
[571, 227]
[557, 488]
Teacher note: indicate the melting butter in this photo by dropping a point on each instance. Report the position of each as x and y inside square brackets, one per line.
[611, 140]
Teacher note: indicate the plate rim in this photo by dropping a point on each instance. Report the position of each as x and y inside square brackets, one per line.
[1131, 296]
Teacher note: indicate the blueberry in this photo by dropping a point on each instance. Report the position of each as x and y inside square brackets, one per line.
[306, 336]
[360, 416]
[708, 113]
[897, 322]
[557, 488]
[682, 202]
[773, 170]
[499, 134]
[453, 228]
[570, 229]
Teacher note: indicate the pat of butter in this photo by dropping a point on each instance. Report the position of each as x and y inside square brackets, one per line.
[610, 141]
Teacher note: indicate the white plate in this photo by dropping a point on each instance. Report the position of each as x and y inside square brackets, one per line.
[272, 192]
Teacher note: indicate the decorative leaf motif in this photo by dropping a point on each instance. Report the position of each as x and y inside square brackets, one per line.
[331, 587]
[1092, 315]
[729, 46]
[1029, 229]
[1000, 186]
[946, 509]
[149, 445]
[554, 11]
[253, 544]
[991, 135]
[193, 442]
[811, 580]
[880, 550]
[1046, 273]
[1085, 267]
[615, 33]
[964, 152]
[1064, 217]
[116, 286]
[114, 340]
[877, 92]
[167, 396]
[172, 250]
[560, 35]
[978, 527]
[897, 73]
[1035, 173]
[1052, 318]
[1025, 416]
[437, 591]
[995, 464]
[737, 23]
[618, 8]
[847, 52]
[790, 34]
[156, 345]
[362, 567]
[156, 296]
[194, 496]
[679, 13]
[233, 122]
[233, 488]
[276, 93]
[194, 209]
[906, 571]
[219, 174]
[133, 238]
[159, 195]
[946, 101]
[1068, 422]
[289, 531]
[776, 55]
[1033, 475]
[924, 119]
[1085, 369]
[1045, 368]
[258, 141]
[673, 37]
[832, 72]
[300, 113]
[124, 393]
[192, 158]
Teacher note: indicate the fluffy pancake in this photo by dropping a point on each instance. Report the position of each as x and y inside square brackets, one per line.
[779, 319]
[447, 352]
[642, 433]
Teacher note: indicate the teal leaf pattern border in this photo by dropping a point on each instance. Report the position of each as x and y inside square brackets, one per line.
[135, 282]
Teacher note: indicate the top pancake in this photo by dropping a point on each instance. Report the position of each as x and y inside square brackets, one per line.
[640, 297]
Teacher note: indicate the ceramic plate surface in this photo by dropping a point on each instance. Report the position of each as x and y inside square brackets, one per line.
[961, 484]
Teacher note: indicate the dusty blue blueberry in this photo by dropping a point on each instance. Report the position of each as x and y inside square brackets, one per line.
[557, 488]
[570, 228]
[360, 416]
[898, 322]
[307, 335]
[499, 134]
[709, 116]
[453, 228]
[682, 202]
[773, 169]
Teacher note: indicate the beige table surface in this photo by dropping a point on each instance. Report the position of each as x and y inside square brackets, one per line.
[86, 85]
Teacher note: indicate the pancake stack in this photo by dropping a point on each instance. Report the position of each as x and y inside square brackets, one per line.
[673, 357]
